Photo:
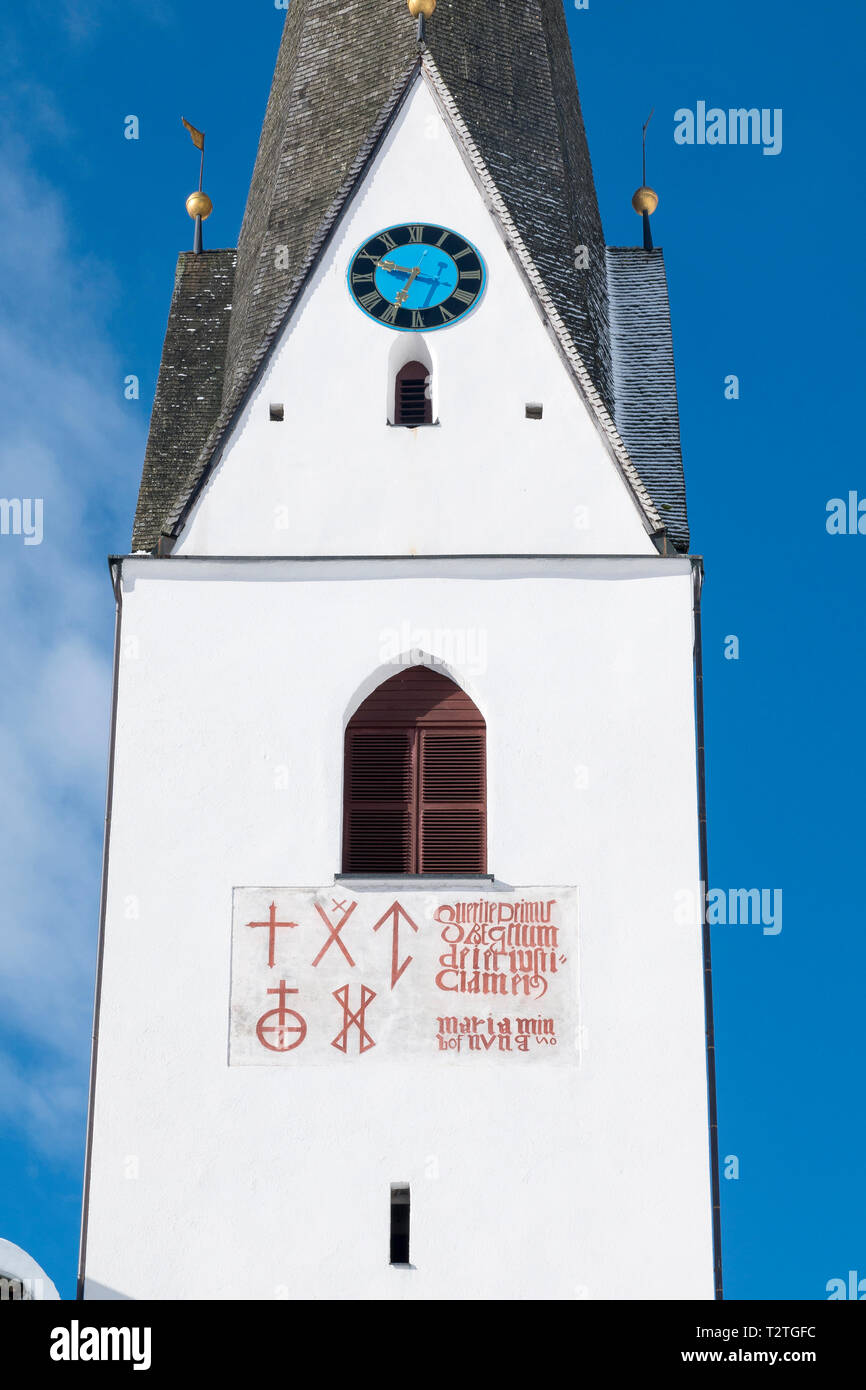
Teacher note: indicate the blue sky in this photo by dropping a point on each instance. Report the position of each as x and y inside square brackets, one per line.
[766, 283]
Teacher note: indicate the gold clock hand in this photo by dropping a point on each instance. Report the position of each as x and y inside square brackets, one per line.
[404, 293]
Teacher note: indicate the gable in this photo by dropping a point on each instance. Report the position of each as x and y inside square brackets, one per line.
[510, 70]
[334, 478]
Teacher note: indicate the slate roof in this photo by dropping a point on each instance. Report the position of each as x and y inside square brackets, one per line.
[189, 386]
[342, 71]
[507, 64]
[645, 387]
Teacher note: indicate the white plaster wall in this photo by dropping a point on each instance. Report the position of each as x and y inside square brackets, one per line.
[334, 479]
[591, 1181]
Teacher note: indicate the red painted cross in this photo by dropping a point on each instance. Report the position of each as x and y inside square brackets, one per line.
[394, 913]
[272, 924]
[334, 935]
[283, 1028]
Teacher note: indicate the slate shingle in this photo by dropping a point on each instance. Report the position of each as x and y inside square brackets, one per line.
[645, 386]
[189, 387]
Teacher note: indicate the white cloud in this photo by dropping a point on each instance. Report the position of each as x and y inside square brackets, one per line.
[66, 433]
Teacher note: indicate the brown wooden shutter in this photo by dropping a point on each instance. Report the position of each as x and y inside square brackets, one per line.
[379, 826]
[412, 405]
[452, 831]
[415, 779]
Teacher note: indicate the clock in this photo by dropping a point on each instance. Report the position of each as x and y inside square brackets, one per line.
[417, 278]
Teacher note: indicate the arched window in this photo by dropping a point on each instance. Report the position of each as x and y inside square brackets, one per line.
[415, 780]
[413, 400]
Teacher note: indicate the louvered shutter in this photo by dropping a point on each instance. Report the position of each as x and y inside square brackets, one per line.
[415, 779]
[379, 826]
[413, 405]
[452, 831]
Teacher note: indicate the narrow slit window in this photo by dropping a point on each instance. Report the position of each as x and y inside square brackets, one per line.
[399, 1224]
[413, 403]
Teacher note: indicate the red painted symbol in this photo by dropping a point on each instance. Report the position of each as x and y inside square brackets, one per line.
[335, 932]
[341, 1041]
[272, 924]
[283, 1028]
[394, 913]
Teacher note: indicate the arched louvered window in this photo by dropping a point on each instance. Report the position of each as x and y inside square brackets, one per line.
[413, 402]
[416, 780]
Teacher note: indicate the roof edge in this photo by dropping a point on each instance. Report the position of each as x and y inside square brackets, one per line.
[215, 443]
[424, 66]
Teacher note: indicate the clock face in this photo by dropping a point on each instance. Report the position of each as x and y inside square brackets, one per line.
[417, 278]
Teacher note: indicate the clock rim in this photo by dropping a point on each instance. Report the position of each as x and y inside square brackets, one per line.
[436, 328]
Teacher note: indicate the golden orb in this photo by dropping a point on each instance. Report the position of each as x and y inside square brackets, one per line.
[199, 205]
[645, 200]
[421, 7]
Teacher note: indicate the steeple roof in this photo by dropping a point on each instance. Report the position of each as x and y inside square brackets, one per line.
[344, 66]
[507, 64]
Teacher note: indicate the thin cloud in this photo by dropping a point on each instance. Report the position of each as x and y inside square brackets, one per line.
[66, 431]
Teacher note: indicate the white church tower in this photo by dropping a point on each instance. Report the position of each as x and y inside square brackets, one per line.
[396, 996]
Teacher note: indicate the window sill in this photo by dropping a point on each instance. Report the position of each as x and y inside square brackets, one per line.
[410, 879]
[433, 425]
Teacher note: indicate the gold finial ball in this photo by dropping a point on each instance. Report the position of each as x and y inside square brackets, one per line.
[199, 205]
[421, 7]
[645, 200]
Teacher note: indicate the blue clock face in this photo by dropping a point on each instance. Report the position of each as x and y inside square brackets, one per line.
[417, 277]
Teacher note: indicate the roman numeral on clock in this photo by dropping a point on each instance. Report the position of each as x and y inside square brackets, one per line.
[464, 296]
[416, 234]
[369, 301]
[390, 314]
[389, 241]
[417, 319]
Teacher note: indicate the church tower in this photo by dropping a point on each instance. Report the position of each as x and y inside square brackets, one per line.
[396, 995]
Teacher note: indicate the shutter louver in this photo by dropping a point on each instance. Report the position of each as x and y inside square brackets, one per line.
[412, 405]
[415, 780]
[379, 797]
[452, 811]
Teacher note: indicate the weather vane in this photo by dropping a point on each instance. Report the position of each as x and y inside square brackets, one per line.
[198, 204]
[646, 200]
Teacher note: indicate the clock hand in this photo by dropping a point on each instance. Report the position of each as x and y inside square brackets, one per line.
[392, 269]
[404, 293]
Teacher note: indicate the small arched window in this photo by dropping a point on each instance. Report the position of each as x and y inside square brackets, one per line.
[415, 791]
[413, 400]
